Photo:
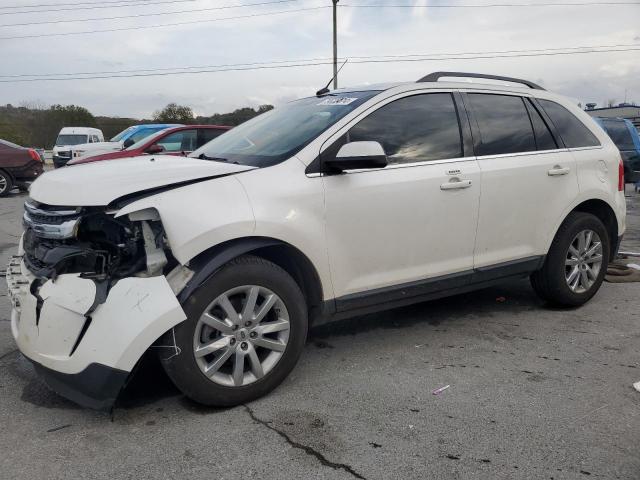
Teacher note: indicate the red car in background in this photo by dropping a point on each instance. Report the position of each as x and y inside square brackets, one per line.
[170, 141]
[19, 166]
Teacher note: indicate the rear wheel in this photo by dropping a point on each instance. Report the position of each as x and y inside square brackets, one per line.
[6, 183]
[576, 263]
[245, 329]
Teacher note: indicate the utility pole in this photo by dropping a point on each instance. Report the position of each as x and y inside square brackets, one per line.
[335, 43]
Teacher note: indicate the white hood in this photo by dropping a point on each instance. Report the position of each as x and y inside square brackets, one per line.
[96, 148]
[99, 183]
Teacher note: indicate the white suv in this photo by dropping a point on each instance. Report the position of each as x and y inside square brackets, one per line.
[346, 202]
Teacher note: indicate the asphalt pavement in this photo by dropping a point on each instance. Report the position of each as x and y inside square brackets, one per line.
[534, 393]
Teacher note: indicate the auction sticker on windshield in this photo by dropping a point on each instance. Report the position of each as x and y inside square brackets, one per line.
[337, 101]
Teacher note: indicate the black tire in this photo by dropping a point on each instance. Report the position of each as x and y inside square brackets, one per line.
[550, 282]
[183, 368]
[6, 183]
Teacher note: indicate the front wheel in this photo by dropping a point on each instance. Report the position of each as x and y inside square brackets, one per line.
[245, 330]
[576, 263]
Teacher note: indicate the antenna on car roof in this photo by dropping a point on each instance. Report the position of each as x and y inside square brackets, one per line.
[325, 90]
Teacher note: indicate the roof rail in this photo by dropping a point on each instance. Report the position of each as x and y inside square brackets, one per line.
[435, 76]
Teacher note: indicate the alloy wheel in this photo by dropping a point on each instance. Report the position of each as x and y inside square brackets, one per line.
[583, 261]
[3, 184]
[241, 335]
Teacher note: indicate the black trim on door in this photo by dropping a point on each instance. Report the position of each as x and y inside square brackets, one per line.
[473, 122]
[548, 121]
[465, 124]
[429, 289]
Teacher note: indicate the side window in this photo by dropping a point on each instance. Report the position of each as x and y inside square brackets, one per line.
[413, 129]
[208, 134]
[182, 141]
[544, 138]
[573, 132]
[619, 133]
[504, 124]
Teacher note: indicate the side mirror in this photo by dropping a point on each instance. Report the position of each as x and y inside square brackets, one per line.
[127, 143]
[155, 148]
[357, 155]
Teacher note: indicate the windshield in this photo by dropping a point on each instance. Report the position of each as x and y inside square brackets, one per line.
[145, 139]
[70, 140]
[278, 134]
[122, 134]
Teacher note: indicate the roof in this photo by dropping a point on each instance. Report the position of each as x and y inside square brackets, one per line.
[155, 125]
[78, 130]
[476, 80]
[211, 127]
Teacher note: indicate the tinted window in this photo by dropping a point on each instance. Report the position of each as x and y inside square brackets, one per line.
[572, 131]
[181, 141]
[504, 124]
[413, 129]
[544, 138]
[208, 134]
[619, 133]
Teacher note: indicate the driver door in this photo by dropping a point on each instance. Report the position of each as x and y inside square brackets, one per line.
[408, 229]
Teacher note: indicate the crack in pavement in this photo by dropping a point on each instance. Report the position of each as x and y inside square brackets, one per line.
[3, 356]
[305, 448]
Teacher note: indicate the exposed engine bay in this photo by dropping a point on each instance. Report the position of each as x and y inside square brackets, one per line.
[92, 242]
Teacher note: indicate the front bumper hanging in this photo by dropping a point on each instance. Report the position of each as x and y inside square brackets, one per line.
[83, 340]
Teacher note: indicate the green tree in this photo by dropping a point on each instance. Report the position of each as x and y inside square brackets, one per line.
[174, 113]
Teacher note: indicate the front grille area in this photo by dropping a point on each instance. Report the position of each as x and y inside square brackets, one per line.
[60, 239]
[51, 222]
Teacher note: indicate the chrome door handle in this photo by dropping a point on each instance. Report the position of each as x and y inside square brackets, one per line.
[455, 184]
[558, 170]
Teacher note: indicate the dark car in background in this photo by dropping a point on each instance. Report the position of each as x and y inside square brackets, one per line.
[19, 166]
[627, 139]
[171, 141]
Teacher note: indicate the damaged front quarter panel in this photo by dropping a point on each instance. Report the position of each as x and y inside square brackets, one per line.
[83, 322]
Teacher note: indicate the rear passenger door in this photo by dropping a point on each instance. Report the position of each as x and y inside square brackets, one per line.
[527, 180]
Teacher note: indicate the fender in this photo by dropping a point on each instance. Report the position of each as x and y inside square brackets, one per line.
[581, 198]
[206, 263]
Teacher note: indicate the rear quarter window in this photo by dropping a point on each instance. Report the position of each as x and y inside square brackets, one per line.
[573, 132]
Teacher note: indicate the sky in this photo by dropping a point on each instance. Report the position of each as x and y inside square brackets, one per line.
[268, 36]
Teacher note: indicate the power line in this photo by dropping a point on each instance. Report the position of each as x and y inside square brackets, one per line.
[192, 22]
[224, 7]
[350, 57]
[303, 63]
[493, 5]
[36, 5]
[129, 3]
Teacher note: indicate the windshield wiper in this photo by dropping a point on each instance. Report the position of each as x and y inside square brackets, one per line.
[204, 156]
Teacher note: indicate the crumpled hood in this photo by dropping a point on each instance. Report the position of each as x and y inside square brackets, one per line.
[100, 183]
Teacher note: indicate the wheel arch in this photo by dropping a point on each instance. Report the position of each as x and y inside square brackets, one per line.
[9, 174]
[605, 213]
[283, 254]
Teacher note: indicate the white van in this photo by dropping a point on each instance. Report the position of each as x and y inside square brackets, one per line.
[70, 136]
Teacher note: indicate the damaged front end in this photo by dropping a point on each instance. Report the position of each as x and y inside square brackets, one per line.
[90, 296]
[90, 241]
